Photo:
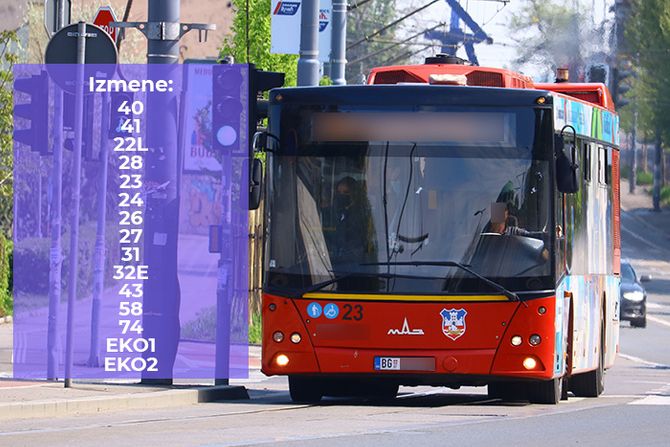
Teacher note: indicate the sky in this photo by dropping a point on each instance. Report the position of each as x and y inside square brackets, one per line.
[493, 16]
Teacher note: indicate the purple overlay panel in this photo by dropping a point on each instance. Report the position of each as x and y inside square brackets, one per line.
[159, 279]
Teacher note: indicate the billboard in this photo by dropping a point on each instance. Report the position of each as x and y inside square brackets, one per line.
[286, 27]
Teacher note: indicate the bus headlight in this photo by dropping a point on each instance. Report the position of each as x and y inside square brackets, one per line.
[529, 363]
[635, 296]
[516, 340]
[535, 340]
[295, 338]
[281, 360]
[278, 336]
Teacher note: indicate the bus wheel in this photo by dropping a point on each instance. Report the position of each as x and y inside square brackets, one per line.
[564, 389]
[592, 383]
[506, 391]
[382, 391]
[588, 384]
[639, 322]
[305, 390]
[546, 392]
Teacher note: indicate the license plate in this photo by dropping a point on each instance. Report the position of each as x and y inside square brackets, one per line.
[387, 363]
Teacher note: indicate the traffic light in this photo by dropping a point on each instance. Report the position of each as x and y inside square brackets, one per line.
[227, 108]
[260, 82]
[598, 73]
[87, 125]
[35, 111]
[624, 77]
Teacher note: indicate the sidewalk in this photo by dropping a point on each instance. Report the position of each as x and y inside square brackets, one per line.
[639, 205]
[35, 399]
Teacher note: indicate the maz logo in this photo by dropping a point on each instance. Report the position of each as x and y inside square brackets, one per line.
[405, 330]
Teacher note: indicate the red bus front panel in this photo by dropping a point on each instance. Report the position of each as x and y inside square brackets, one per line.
[448, 337]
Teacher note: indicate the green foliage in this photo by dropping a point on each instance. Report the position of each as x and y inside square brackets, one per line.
[258, 45]
[32, 254]
[644, 178]
[362, 22]
[8, 58]
[552, 33]
[665, 196]
[203, 327]
[6, 302]
[648, 37]
[256, 329]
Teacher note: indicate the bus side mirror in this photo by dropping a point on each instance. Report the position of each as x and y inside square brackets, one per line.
[567, 171]
[255, 184]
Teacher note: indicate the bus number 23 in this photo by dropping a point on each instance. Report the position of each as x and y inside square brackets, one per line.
[354, 312]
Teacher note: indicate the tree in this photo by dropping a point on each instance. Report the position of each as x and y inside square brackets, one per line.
[648, 38]
[553, 34]
[361, 22]
[8, 57]
[252, 43]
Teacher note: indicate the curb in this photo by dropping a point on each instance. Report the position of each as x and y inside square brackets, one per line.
[7, 319]
[138, 401]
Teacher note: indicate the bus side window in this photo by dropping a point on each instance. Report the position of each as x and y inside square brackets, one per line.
[587, 162]
[608, 166]
[602, 166]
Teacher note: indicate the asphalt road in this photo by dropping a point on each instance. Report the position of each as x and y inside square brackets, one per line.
[635, 409]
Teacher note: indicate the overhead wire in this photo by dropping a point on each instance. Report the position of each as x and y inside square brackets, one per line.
[390, 25]
[395, 44]
[500, 8]
[357, 5]
[409, 54]
[126, 15]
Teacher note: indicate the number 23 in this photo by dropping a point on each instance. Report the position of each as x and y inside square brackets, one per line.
[353, 312]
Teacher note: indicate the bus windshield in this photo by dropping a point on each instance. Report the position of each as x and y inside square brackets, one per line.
[364, 209]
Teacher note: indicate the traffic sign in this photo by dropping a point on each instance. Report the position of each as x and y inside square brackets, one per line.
[103, 18]
[62, 49]
[51, 14]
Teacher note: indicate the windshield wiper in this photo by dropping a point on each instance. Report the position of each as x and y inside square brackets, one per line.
[320, 285]
[508, 293]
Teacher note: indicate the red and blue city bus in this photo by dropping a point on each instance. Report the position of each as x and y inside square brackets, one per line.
[445, 225]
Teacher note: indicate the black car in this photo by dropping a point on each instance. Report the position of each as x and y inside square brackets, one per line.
[633, 296]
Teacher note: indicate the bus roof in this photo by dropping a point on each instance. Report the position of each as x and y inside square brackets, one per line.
[593, 93]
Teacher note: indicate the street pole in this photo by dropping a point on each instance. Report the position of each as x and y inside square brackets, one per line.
[99, 254]
[39, 198]
[338, 54]
[161, 290]
[55, 253]
[656, 195]
[308, 63]
[632, 178]
[76, 188]
[60, 14]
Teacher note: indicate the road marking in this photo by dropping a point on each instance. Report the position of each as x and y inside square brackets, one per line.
[659, 396]
[656, 306]
[639, 238]
[652, 400]
[658, 320]
[632, 358]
